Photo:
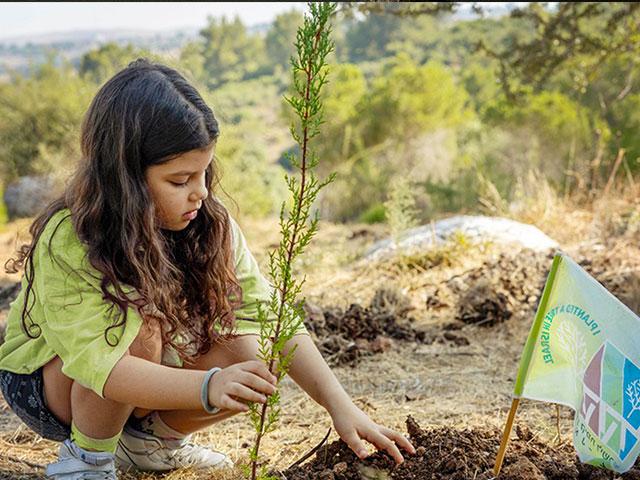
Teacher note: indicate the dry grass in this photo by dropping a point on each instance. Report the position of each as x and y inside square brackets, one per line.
[437, 384]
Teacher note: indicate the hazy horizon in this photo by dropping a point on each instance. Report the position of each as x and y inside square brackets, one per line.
[19, 20]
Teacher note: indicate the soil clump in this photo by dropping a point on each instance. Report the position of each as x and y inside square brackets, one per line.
[455, 454]
[500, 288]
[344, 336]
[510, 285]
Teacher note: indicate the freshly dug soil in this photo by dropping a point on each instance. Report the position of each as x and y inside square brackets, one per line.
[447, 453]
[512, 284]
[345, 336]
[623, 284]
[495, 291]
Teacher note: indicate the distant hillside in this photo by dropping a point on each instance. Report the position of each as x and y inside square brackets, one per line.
[17, 53]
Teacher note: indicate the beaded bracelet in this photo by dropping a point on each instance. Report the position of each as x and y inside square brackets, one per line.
[204, 392]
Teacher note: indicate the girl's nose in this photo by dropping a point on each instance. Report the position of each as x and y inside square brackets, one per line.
[200, 193]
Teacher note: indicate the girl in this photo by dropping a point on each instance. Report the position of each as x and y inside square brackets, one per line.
[135, 325]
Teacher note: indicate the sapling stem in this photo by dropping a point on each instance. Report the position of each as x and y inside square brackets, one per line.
[282, 317]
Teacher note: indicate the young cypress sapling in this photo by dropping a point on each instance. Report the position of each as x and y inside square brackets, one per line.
[282, 316]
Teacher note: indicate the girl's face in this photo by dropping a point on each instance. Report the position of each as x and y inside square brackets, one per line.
[178, 187]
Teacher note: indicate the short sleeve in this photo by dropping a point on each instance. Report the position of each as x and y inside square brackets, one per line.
[255, 287]
[76, 316]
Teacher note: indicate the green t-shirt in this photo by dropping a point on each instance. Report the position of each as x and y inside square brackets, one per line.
[72, 315]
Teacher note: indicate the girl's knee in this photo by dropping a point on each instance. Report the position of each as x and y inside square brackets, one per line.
[148, 343]
[227, 351]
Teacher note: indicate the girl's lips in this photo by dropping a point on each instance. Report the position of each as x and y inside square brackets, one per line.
[190, 215]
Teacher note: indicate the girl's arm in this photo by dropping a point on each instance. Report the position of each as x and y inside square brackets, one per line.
[151, 386]
[132, 378]
[311, 372]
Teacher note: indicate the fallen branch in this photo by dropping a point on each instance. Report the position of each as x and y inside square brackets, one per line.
[311, 452]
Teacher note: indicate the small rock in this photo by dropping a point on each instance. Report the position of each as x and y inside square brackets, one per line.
[372, 473]
[420, 451]
[453, 326]
[28, 196]
[459, 340]
[340, 468]
[435, 303]
[522, 469]
[326, 475]
[410, 397]
[381, 344]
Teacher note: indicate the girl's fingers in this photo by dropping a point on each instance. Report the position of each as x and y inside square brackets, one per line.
[260, 369]
[399, 439]
[231, 404]
[247, 394]
[257, 383]
[353, 441]
[383, 443]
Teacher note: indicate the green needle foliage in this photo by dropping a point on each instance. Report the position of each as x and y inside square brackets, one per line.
[283, 315]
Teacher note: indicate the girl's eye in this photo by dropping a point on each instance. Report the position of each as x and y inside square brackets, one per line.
[178, 184]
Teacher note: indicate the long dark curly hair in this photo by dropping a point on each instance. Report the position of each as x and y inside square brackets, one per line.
[145, 115]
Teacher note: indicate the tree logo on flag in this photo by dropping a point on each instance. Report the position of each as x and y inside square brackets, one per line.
[633, 392]
[572, 342]
[611, 400]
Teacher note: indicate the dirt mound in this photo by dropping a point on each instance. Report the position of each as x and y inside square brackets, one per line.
[511, 285]
[499, 288]
[446, 453]
[621, 280]
[343, 336]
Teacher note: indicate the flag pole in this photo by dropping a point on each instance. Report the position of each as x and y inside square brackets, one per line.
[525, 362]
[505, 436]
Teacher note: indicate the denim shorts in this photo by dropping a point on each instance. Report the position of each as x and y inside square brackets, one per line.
[24, 393]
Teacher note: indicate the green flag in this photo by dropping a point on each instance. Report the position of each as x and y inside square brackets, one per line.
[583, 351]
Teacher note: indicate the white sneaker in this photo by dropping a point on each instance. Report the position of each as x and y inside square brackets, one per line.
[75, 463]
[142, 451]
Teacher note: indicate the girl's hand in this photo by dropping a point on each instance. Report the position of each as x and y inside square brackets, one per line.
[241, 382]
[353, 425]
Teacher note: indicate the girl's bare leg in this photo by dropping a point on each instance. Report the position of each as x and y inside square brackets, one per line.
[94, 416]
[234, 350]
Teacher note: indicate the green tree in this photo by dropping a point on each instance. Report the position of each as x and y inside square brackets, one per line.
[554, 131]
[409, 100]
[247, 177]
[368, 39]
[192, 60]
[481, 84]
[230, 52]
[391, 28]
[280, 38]
[627, 113]
[584, 34]
[102, 63]
[40, 117]
[340, 136]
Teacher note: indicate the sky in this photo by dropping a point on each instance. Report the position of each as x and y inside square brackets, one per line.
[32, 18]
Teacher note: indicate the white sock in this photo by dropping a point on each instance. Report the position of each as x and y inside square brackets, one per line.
[155, 426]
